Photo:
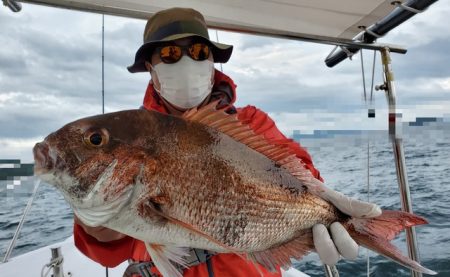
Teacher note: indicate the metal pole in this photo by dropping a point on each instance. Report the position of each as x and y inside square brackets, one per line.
[58, 259]
[397, 144]
[331, 271]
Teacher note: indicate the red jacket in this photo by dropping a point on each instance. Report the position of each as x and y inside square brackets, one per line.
[111, 254]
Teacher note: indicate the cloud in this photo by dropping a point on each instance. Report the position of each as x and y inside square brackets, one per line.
[426, 60]
[66, 60]
[18, 148]
[422, 28]
[26, 115]
[50, 72]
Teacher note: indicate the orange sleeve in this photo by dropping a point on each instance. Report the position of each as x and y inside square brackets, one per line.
[261, 123]
[109, 254]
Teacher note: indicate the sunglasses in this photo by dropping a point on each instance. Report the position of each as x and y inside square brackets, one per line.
[173, 53]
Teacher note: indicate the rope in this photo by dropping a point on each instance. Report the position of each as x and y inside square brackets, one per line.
[46, 273]
[363, 75]
[54, 262]
[347, 52]
[399, 4]
[373, 76]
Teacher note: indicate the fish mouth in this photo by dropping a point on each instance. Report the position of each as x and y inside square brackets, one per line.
[43, 161]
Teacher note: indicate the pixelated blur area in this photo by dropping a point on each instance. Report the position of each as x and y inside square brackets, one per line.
[16, 178]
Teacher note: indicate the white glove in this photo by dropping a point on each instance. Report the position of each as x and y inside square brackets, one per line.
[340, 242]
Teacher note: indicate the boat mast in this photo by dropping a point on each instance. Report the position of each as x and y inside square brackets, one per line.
[397, 144]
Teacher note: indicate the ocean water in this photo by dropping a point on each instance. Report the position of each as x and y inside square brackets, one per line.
[343, 161]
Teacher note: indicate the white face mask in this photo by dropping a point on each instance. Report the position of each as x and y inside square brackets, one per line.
[185, 83]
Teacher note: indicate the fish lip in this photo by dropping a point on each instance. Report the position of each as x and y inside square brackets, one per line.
[43, 161]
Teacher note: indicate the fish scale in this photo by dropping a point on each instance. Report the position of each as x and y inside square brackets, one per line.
[265, 196]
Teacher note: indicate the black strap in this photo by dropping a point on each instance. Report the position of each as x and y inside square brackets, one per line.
[209, 263]
[204, 256]
[224, 92]
[142, 269]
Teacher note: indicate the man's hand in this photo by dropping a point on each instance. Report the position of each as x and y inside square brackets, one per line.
[339, 243]
[101, 233]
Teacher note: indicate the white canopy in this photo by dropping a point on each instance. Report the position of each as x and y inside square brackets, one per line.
[317, 19]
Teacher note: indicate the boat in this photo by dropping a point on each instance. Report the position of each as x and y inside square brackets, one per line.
[350, 25]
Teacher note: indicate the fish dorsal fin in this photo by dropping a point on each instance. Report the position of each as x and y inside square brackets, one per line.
[230, 125]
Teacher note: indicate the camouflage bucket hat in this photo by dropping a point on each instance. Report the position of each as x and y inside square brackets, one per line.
[172, 24]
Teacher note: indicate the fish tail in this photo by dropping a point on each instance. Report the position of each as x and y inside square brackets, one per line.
[376, 234]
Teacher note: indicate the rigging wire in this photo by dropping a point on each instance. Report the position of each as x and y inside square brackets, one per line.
[371, 113]
[22, 220]
[103, 63]
[217, 39]
[368, 153]
[368, 199]
[103, 86]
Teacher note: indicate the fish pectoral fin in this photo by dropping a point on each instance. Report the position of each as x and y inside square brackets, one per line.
[159, 200]
[166, 257]
[153, 207]
[281, 255]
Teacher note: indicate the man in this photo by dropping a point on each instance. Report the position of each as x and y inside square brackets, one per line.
[180, 57]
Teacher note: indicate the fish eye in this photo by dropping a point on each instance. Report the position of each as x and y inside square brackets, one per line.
[96, 138]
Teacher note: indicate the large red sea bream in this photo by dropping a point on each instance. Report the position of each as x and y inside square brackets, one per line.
[203, 181]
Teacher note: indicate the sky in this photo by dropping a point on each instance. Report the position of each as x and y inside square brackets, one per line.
[50, 74]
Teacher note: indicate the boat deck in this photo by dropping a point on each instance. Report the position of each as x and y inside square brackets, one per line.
[75, 263]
